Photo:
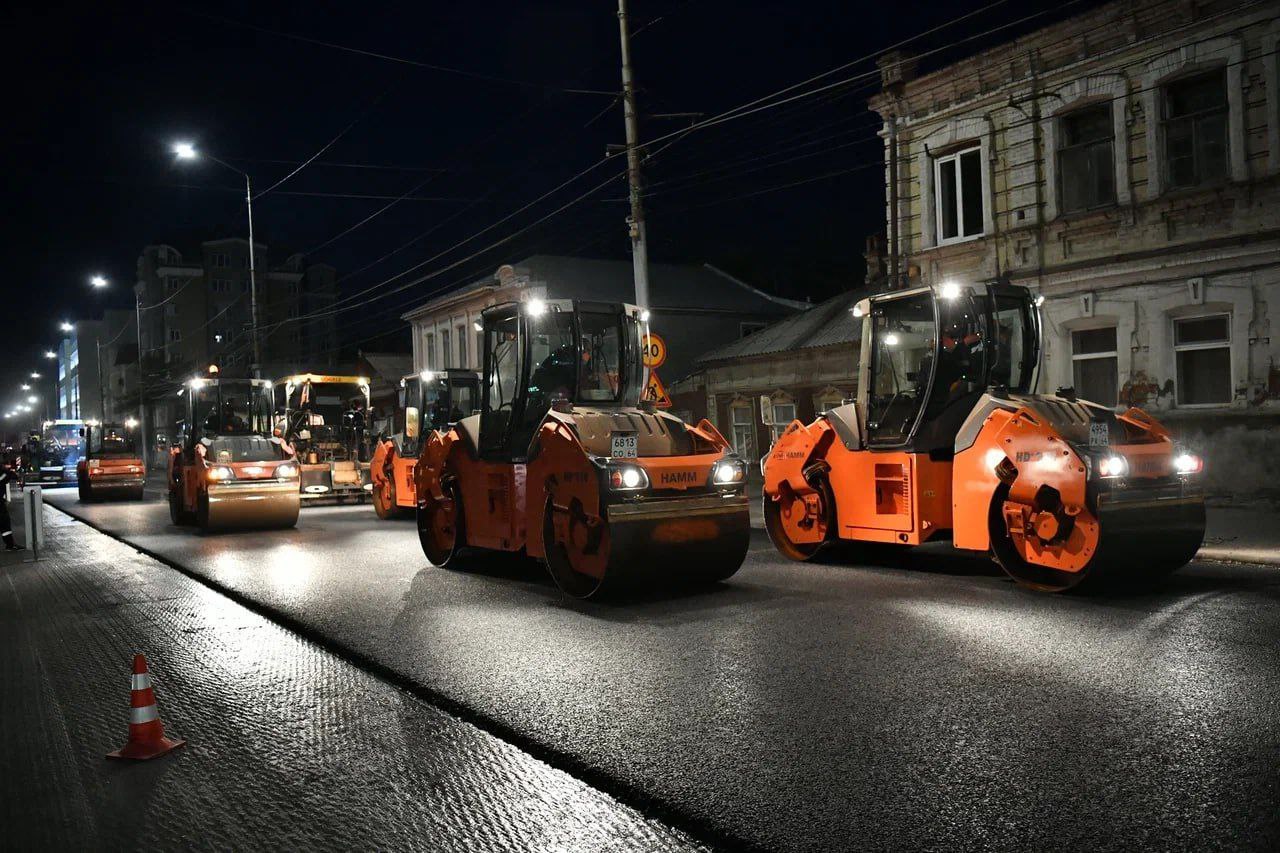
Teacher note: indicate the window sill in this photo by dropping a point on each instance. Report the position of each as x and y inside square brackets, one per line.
[957, 241]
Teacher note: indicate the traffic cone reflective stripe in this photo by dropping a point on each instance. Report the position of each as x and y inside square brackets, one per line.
[146, 731]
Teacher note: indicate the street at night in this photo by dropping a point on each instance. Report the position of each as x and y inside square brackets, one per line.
[920, 701]
[641, 425]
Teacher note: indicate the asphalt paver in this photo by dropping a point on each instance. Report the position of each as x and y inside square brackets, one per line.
[289, 747]
[879, 700]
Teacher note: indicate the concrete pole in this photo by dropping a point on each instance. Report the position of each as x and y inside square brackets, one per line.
[253, 284]
[639, 247]
[142, 388]
[102, 389]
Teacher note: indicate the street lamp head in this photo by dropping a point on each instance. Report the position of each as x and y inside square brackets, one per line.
[98, 281]
[26, 387]
[35, 375]
[50, 354]
[66, 327]
[184, 150]
[33, 399]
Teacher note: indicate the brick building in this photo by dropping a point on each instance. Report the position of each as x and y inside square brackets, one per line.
[1124, 163]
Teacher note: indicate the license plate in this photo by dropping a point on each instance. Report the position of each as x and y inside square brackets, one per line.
[1099, 435]
[624, 447]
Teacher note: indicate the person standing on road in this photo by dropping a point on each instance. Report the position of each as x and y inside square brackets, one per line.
[7, 476]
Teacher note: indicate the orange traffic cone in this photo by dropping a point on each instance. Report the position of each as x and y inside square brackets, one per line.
[146, 732]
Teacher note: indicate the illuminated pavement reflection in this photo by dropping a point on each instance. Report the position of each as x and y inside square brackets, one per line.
[882, 702]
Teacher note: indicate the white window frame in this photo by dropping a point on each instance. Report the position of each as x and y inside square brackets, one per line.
[446, 349]
[748, 423]
[780, 424]
[460, 332]
[1089, 356]
[429, 344]
[1206, 345]
[954, 157]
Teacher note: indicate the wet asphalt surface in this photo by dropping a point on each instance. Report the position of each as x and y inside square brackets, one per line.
[876, 701]
[287, 745]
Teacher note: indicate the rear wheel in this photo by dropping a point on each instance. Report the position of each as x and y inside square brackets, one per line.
[137, 494]
[793, 528]
[441, 529]
[384, 499]
[85, 494]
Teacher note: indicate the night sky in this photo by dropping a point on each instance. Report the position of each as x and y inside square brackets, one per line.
[96, 97]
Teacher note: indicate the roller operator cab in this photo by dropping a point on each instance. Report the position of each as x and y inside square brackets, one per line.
[226, 469]
[947, 438]
[433, 400]
[112, 463]
[53, 455]
[565, 463]
[325, 419]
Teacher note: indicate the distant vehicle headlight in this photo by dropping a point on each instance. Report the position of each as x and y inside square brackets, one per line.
[729, 471]
[1113, 466]
[288, 469]
[218, 473]
[1188, 463]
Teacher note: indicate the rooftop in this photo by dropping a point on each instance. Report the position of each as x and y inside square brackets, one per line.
[825, 324]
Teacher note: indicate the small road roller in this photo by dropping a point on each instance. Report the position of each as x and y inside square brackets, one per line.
[226, 469]
[112, 463]
[948, 439]
[565, 463]
[324, 419]
[433, 400]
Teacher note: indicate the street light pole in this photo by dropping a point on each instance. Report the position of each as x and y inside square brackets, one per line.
[639, 247]
[187, 151]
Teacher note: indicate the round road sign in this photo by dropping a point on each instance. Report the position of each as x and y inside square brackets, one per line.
[653, 349]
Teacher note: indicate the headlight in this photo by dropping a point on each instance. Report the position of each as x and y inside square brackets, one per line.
[1187, 463]
[287, 470]
[218, 473]
[1113, 466]
[728, 471]
[627, 477]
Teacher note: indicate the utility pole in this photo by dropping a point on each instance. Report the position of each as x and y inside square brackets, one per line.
[639, 248]
[102, 389]
[142, 386]
[253, 283]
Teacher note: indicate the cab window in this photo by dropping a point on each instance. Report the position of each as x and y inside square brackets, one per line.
[904, 334]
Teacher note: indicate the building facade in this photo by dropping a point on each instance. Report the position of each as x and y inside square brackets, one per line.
[1125, 164]
[196, 310]
[197, 307]
[694, 308]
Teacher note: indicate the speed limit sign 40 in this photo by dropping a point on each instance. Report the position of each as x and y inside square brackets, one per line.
[653, 350]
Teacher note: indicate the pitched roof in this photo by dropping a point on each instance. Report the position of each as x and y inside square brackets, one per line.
[389, 366]
[670, 285]
[827, 323]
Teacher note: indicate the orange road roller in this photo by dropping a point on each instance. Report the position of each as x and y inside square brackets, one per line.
[226, 469]
[430, 400]
[112, 464]
[948, 439]
[565, 463]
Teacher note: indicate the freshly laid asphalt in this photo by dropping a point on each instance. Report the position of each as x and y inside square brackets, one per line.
[878, 701]
[288, 746]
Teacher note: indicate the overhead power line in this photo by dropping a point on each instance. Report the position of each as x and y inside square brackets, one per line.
[462, 72]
